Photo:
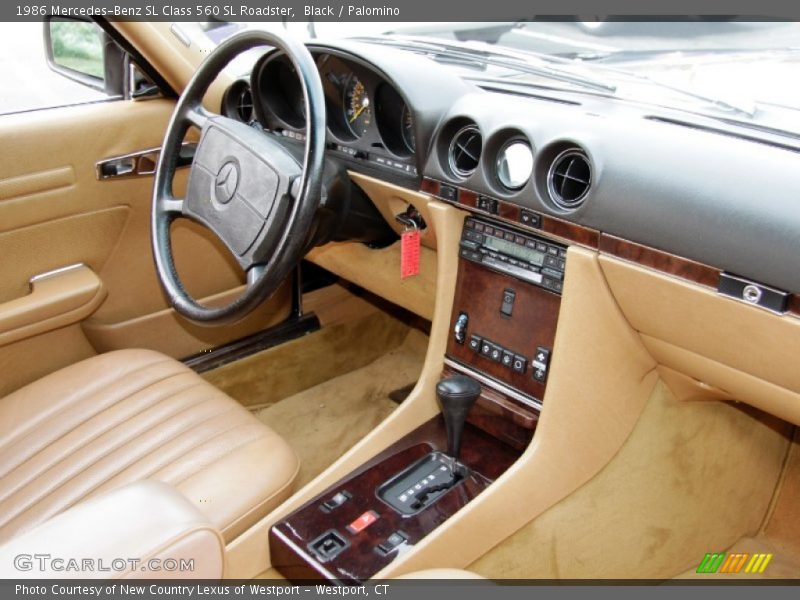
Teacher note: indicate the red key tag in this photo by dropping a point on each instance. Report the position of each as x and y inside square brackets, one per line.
[409, 253]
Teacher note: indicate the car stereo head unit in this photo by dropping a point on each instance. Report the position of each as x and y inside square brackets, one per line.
[521, 255]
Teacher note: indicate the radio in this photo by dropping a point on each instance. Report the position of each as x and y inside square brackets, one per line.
[521, 255]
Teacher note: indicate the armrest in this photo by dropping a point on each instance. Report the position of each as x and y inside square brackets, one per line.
[56, 300]
[147, 521]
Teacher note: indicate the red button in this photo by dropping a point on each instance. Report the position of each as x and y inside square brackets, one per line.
[362, 522]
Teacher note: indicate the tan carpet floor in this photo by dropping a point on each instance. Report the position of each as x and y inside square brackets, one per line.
[322, 422]
[280, 372]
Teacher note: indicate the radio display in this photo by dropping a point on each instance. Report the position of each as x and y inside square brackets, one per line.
[534, 257]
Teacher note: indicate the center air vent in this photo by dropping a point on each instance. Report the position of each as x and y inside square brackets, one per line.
[569, 179]
[237, 103]
[244, 105]
[465, 151]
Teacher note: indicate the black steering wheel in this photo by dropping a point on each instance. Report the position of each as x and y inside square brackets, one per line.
[257, 197]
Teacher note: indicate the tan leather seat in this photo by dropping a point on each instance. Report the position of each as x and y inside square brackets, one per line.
[131, 415]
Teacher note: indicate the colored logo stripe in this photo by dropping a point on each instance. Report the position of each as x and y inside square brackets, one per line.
[733, 563]
[758, 563]
[711, 562]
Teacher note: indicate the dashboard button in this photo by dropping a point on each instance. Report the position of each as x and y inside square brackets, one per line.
[551, 261]
[541, 364]
[529, 218]
[448, 192]
[487, 204]
[496, 353]
[508, 359]
[519, 364]
[557, 275]
[475, 343]
[507, 305]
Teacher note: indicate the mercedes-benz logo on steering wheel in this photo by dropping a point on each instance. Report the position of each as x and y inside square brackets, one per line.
[226, 182]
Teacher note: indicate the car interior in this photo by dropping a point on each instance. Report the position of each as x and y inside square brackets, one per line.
[352, 316]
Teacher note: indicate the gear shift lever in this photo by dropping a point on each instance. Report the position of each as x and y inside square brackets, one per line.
[456, 395]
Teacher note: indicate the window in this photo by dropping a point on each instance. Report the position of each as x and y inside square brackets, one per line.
[27, 82]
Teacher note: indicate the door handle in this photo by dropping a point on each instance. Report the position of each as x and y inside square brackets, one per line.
[57, 299]
[140, 164]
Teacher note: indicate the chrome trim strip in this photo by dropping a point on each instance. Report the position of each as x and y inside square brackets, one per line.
[495, 385]
[54, 272]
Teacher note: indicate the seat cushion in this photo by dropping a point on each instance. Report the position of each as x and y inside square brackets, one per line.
[131, 415]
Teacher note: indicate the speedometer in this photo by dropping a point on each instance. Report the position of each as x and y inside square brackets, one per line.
[357, 110]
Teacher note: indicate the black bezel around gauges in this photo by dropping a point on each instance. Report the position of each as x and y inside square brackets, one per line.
[368, 121]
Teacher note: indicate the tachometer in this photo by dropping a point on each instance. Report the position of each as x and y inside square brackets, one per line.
[407, 129]
[357, 110]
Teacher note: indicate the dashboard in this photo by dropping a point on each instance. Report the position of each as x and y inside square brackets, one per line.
[704, 189]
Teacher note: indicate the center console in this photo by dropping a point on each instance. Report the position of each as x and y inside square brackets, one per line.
[496, 367]
[505, 312]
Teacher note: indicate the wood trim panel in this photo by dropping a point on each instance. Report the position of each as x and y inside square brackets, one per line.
[479, 293]
[487, 457]
[511, 212]
[660, 261]
[794, 305]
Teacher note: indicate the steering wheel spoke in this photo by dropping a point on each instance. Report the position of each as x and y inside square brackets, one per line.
[198, 116]
[254, 274]
[172, 207]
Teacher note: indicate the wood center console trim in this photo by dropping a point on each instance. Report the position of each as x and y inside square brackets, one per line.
[479, 293]
[487, 457]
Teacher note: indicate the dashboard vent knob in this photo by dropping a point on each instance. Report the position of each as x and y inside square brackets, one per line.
[569, 179]
[465, 151]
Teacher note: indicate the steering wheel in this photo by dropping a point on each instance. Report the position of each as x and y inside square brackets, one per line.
[249, 190]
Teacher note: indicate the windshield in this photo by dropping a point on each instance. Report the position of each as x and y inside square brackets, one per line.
[748, 71]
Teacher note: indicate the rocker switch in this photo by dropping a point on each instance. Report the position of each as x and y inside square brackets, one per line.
[507, 305]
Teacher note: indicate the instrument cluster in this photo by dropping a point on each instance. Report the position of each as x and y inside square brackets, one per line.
[367, 117]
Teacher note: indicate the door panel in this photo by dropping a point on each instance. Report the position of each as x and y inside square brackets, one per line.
[54, 213]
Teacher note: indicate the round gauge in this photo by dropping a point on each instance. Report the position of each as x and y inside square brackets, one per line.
[280, 93]
[357, 110]
[514, 164]
[407, 129]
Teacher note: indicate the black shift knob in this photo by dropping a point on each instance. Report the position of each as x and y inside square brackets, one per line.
[456, 395]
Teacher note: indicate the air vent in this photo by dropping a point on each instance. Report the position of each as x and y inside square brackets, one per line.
[244, 105]
[569, 179]
[465, 151]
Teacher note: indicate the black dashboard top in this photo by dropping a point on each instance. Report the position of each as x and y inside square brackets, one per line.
[694, 186]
